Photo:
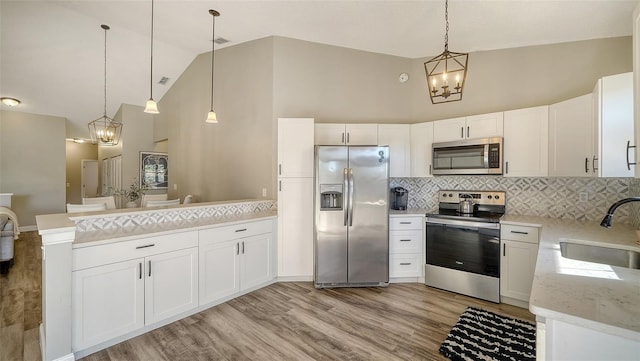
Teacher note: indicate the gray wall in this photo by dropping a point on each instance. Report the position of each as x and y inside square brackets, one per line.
[524, 77]
[75, 153]
[31, 165]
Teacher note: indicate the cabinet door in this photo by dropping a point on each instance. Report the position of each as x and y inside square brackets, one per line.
[295, 147]
[295, 227]
[362, 134]
[107, 301]
[329, 134]
[570, 137]
[616, 125]
[448, 130]
[517, 266]
[398, 138]
[171, 284]
[526, 142]
[421, 152]
[255, 265]
[484, 126]
[219, 269]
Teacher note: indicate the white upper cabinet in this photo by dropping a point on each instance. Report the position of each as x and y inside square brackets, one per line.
[471, 127]
[346, 134]
[295, 147]
[613, 111]
[526, 142]
[421, 152]
[571, 137]
[398, 138]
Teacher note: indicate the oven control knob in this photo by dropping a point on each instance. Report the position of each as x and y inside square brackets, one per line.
[450, 195]
[497, 197]
[489, 196]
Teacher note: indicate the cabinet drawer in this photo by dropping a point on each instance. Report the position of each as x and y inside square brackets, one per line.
[87, 257]
[401, 223]
[520, 233]
[405, 241]
[405, 265]
[241, 230]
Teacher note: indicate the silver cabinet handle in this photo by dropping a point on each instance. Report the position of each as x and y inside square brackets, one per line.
[461, 132]
[241, 230]
[593, 164]
[149, 268]
[629, 146]
[140, 270]
[242, 247]
[280, 169]
[504, 250]
[348, 137]
[405, 240]
[237, 249]
[346, 192]
[342, 141]
[405, 222]
[405, 263]
[429, 168]
[586, 165]
[146, 246]
[506, 167]
[280, 185]
[467, 132]
[519, 232]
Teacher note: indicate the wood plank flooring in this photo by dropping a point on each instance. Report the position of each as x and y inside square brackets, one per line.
[285, 321]
[21, 300]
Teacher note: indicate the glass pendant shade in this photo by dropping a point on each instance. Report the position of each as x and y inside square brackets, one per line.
[151, 107]
[211, 117]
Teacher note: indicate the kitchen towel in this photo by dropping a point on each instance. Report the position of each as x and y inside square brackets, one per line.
[484, 335]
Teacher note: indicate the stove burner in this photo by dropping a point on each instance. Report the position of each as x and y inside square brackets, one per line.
[490, 205]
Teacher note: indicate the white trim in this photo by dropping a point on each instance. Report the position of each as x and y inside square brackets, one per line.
[295, 279]
[42, 339]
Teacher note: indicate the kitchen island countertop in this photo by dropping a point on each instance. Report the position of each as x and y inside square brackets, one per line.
[592, 295]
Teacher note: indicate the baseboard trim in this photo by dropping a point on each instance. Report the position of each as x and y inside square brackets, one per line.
[295, 279]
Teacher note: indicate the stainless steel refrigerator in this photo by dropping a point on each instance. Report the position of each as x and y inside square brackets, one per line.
[351, 237]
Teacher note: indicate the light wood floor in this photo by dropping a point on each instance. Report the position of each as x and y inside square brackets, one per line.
[285, 321]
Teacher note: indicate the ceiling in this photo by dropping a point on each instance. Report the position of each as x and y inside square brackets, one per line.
[52, 52]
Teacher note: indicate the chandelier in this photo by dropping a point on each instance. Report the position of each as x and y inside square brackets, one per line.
[447, 72]
[104, 130]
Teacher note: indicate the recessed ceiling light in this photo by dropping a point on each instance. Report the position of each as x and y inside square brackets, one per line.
[12, 102]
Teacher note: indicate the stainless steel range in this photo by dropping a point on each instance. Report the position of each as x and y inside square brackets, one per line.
[463, 243]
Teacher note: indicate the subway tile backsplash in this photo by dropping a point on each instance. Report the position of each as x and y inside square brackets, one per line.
[557, 197]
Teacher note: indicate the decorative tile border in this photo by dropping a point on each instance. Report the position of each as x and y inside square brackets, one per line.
[556, 197]
[172, 215]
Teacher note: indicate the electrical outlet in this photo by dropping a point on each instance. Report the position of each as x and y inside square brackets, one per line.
[264, 192]
[584, 196]
[175, 187]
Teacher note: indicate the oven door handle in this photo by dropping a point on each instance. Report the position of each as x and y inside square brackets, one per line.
[463, 224]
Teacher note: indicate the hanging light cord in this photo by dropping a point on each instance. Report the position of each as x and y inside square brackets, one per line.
[446, 18]
[213, 42]
[105, 27]
[151, 75]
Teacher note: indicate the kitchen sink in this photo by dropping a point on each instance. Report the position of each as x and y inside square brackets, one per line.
[606, 255]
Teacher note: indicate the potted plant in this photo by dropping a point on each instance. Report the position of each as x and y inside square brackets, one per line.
[132, 194]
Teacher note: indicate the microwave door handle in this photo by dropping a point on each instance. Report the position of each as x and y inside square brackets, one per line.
[486, 155]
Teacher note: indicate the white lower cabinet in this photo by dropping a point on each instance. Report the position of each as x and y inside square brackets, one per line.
[518, 262]
[406, 239]
[114, 299]
[234, 259]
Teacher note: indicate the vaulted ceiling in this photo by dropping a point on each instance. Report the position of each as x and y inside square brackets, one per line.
[52, 52]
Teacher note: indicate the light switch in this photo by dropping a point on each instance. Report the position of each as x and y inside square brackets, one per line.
[175, 187]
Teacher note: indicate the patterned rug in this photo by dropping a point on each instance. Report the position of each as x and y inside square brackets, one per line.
[484, 335]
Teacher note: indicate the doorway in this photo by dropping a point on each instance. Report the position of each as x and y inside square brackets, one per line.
[89, 178]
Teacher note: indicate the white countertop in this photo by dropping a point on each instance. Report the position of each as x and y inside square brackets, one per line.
[597, 296]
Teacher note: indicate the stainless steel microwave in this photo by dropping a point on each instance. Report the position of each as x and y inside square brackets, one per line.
[470, 156]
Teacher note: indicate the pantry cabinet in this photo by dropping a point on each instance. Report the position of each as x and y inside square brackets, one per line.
[517, 262]
[421, 152]
[120, 287]
[398, 138]
[234, 259]
[346, 134]
[571, 151]
[526, 142]
[295, 147]
[471, 127]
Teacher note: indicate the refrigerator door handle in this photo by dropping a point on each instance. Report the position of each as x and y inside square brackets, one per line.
[346, 199]
[351, 189]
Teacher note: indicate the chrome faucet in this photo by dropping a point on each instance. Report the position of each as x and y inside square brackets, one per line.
[608, 219]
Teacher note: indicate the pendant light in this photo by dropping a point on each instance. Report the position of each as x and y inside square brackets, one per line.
[446, 68]
[104, 130]
[211, 116]
[151, 106]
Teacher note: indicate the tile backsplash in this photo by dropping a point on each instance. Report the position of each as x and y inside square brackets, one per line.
[557, 197]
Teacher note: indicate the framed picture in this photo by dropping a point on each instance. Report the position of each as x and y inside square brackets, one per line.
[154, 170]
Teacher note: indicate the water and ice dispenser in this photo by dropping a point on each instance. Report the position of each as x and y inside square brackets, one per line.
[331, 197]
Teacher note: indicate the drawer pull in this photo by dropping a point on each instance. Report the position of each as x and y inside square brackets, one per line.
[405, 240]
[519, 232]
[242, 247]
[146, 246]
[140, 270]
[149, 268]
[405, 222]
[241, 230]
[405, 263]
